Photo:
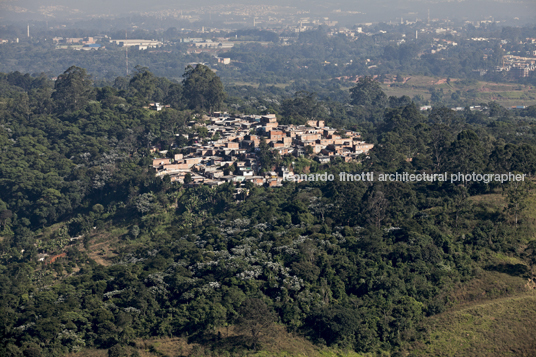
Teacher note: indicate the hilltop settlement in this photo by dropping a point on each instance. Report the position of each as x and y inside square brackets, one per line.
[235, 155]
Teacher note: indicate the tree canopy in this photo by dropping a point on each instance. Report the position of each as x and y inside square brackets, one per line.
[367, 92]
[73, 90]
[202, 89]
[96, 251]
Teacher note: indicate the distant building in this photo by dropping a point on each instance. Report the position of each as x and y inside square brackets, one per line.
[224, 60]
[316, 123]
[155, 106]
[140, 44]
[191, 40]
[73, 40]
[520, 72]
[212, 44]
[93, 46]
[161, 161]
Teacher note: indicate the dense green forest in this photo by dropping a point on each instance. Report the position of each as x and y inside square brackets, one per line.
[352, 265]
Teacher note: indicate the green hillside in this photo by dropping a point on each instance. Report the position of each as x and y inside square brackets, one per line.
[99, 255]
[500, 327]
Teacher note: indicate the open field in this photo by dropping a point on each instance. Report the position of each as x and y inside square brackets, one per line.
[472, 91]
[501, 327]
[279, 344]
[475, 92]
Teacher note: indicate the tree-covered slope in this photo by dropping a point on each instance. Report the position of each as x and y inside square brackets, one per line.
[348, 265]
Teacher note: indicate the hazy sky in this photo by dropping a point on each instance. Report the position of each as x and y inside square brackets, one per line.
[377, 10]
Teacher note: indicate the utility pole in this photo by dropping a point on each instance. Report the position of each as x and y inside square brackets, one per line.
[126, 47]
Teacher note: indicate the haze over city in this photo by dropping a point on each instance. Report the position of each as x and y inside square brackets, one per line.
[347, 11]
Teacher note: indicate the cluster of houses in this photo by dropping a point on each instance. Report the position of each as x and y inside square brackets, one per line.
[232, 153]
[439, 44]
[520, 67]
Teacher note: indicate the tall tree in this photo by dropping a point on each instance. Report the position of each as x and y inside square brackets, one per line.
[174, 96]
[517, 196]
[304, 106]
[368, 92]
[266, 156]
[466, 154]
[73, 90]
[203, 90]
[444, 126]
[255, 320]
[143, 83]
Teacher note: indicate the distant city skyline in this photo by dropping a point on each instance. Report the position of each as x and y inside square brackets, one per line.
[367, 10]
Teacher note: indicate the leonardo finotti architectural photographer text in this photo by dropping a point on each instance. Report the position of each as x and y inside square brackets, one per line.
[408, 177]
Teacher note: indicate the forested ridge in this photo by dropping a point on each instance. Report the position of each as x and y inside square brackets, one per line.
[351, 265]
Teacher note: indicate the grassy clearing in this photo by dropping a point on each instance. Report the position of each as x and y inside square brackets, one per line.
[530, 213]
[89, 353]
[487, 285]
[492, 202]
[102, 246]
[279, 344]
[475, 91]
[492, 205]
[502, 327]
